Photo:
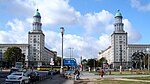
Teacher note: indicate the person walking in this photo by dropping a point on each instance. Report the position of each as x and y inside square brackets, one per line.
[102, 74]
[77, 74]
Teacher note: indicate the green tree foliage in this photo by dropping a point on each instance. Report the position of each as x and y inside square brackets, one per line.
[100, 61]
[84, 62]
[90, 63]
[13, 55]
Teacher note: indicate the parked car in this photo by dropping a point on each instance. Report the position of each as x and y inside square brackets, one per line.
[13, 70]
[17, 77]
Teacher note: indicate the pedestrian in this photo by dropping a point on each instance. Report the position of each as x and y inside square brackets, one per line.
[77, 74]
[102, 74]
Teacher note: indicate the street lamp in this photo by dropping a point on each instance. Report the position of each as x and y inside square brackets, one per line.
[62, 33]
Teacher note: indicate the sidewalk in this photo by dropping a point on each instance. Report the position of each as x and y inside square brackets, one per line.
[125, 79]
[87, 75]
[89, 78]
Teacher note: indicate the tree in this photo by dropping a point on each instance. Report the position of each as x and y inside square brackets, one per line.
[84, 62]
[13, 55]
[90, 63]
[100, 61]
[138, 60]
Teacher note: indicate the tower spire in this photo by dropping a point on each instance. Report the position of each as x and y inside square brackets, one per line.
[37, 21]
[118, 23]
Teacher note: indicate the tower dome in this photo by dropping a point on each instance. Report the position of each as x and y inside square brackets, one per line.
[37, 22]
[118, 14]
[37, 14]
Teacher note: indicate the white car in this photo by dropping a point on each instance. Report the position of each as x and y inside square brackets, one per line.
[17, 77]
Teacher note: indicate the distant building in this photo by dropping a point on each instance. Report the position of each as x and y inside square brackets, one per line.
[120, 52]
[35, 51]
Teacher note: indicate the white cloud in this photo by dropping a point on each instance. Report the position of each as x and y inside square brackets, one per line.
[16, 25]
[88, 46]
[4, 37]
[104, 41]
[59, 12]
[133, 35]
[137, 4]
[96, 22]
[15, 32]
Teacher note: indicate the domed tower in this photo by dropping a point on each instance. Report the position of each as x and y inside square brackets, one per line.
[37, 22]
[119, 43]
[118, 23]
[36, 40]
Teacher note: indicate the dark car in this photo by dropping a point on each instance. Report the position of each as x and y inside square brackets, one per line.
[13, 70]
[34, 76]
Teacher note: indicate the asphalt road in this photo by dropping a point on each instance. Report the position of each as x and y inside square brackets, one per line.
[56, 79]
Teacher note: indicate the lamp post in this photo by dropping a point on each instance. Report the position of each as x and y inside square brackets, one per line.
[62, 33]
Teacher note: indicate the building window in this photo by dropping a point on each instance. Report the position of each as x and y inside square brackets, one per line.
[34, 50]
[34, 40]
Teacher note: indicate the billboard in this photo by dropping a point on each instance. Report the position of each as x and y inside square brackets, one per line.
[71, 62]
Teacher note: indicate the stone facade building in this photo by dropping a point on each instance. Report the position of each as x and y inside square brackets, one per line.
[35, 51]
[120, 52]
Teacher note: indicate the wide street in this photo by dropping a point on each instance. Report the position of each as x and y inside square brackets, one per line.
[84, 76]
[57, 79]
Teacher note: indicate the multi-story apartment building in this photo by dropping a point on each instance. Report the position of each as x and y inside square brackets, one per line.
[35, 51]
[120, 52]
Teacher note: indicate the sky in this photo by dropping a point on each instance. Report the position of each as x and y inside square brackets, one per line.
[88, 23]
